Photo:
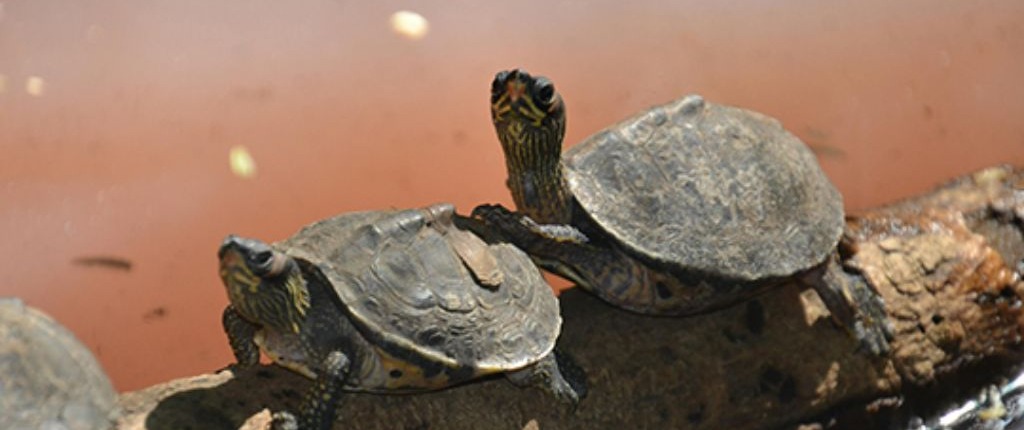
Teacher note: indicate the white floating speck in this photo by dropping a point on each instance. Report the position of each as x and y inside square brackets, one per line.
[409, 24]
[93, 33]
[35, 86]
[242, 163]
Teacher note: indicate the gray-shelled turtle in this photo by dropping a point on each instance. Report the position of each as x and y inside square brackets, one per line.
[680, 209]
[48, 379]
[391, 302]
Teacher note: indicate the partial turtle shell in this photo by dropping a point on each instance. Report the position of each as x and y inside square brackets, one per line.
[708, 188]
[49, 379]
[403, 280]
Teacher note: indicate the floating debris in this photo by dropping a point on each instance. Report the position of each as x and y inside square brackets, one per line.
[242, 163]
[93, 33]
[105, 262]
[35, 86]
[409, 24]
[156, 313]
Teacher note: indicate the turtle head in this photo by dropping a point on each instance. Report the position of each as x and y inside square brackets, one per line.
[528, 114]
[265, 286]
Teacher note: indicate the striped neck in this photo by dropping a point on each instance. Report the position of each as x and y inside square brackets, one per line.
[535, 177]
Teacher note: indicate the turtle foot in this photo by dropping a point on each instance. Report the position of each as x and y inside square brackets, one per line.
[321, 402]
[871, 327]
[567, 384]
[572, 374]
[856, 307]
[523, 231]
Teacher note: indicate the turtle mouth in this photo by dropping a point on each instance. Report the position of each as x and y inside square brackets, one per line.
[515, 89]
[234, 271]
[228, 243]
[511, 99]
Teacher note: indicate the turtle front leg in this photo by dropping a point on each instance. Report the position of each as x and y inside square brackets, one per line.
[241, 334]
[556, 373]
[605, 272]
[854, 305]
[321, 401]
[523, 231]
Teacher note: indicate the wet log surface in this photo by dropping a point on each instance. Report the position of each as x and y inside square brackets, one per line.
[946, 264]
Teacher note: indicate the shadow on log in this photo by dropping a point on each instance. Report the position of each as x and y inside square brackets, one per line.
[939, 261]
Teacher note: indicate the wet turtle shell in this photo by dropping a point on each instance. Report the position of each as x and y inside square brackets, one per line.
[708, 188]
[50, 380]
[401, 277]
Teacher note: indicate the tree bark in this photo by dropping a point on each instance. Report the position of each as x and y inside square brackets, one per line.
[947, 265]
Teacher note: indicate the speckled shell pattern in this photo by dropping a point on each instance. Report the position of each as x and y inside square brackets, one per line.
[710, 189]
[402, 281]
[50, 380]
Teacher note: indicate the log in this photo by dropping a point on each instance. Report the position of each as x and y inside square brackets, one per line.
[947, 265]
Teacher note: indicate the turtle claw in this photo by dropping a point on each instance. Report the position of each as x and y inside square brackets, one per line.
[497, 215]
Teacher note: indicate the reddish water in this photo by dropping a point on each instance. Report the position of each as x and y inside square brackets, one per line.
[124, 153]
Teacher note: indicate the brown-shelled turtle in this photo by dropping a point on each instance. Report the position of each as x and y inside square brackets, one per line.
[48, 379]
[391, 302]
[681, 209]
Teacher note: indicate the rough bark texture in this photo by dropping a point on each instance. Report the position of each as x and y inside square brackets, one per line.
[939, 262]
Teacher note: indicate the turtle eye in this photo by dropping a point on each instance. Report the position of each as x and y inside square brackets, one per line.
[263, 259]
[544, 90]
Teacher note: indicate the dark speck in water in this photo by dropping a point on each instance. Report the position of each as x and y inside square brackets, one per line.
[104, 262]
[156, 313]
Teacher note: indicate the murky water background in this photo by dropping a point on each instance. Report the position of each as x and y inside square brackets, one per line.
[117, 117]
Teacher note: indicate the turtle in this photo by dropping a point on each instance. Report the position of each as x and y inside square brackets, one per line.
[681, 209]
[392, 301]
[50, 380]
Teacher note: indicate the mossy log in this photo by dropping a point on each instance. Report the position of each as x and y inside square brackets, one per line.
[946, 265]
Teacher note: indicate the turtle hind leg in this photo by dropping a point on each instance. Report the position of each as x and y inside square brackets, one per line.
[556, 373]
[854, 305]
[240, 335]
[321, 401]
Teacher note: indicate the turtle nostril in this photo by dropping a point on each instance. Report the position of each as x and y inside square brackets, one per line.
[229, 241]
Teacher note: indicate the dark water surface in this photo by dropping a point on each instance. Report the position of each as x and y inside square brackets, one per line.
[116, 119]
